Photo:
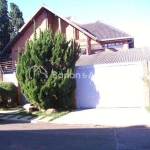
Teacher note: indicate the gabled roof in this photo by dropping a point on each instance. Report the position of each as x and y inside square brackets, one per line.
[104, 32]
[129, 55]
[25, 26]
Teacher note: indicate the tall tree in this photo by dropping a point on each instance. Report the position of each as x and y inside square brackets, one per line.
[4, 24]
[44, 70]
[16, 19]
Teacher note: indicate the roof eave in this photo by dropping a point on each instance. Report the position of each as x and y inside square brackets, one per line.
[10, 43]
[120, 38]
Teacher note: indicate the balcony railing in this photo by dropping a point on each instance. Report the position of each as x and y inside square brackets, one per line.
[8, 67]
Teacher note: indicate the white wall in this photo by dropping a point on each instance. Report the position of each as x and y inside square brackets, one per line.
[111, 85]
[10, 78]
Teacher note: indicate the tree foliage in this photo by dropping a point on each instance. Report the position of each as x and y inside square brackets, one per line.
[4, 24]
[16, 19]
[44, 70]
[10, 23]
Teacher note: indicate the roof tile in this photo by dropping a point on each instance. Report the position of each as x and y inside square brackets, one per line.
[129, 55]
[103, 31]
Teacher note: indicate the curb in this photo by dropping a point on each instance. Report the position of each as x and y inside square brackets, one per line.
[16, 120]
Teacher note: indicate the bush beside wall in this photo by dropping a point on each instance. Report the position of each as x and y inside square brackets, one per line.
[8, 94]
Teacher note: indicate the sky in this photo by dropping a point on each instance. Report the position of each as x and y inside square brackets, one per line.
[131, 16]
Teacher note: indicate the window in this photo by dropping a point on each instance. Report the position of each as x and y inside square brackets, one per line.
[104, 46]
[113, 45]
[119, 44]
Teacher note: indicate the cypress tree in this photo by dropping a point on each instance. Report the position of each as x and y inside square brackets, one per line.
[16, 19]
[4, 24]
[44, 70]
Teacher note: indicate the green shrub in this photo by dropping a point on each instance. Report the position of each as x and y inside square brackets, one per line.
[8, 94]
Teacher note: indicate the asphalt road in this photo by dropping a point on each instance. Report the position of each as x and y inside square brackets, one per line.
[26, 136]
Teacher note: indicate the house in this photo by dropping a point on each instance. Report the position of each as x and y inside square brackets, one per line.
[93, 37]
[108, 81]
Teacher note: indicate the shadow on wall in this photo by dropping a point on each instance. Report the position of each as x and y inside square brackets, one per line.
[87, 96]
[22, 98]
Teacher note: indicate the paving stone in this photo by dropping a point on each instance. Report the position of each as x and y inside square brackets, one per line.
[15, 117]
[7, 117]
[26, 118]
[1, 116]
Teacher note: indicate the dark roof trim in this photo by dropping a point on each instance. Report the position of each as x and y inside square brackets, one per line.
[10, 43]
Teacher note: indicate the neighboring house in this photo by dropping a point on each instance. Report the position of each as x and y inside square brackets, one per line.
[93, 37]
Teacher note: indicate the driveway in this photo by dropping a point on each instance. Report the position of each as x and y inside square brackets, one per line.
[115, 117]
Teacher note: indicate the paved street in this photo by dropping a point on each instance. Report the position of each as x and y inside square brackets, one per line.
[26, 136]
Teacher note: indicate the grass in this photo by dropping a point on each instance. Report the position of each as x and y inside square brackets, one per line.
[55, 115]
[22, 113]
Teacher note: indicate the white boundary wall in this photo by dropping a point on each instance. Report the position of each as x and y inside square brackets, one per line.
[110, 85]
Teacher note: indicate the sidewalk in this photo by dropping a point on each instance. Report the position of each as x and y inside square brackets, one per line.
[112, 117]
[118, 117]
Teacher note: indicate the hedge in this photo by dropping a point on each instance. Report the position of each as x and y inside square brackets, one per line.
[8, 94]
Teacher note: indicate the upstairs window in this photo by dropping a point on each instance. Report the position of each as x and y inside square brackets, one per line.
[119, 44]
[113, 45]
[104, 46]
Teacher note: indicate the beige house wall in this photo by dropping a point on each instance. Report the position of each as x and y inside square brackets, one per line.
[40, 24]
